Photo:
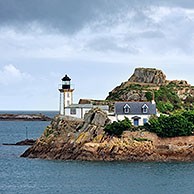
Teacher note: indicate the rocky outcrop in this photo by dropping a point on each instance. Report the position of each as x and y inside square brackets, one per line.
[26, 142]
[24, 117]
[148, 75]
[74, 139]
[146, 81]
[64, 137]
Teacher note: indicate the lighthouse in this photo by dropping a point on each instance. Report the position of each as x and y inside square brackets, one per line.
[66, 94]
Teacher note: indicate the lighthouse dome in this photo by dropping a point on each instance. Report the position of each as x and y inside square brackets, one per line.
[66, 78]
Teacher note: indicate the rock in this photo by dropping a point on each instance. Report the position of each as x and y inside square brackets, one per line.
[69, 135]
[23, 143]
[96, 117]
[148, 75]
[179, 82]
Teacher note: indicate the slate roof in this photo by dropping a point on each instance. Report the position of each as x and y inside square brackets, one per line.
[135, 108]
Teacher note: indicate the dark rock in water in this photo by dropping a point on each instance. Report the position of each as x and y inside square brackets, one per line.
[29, 142]
[24, 117]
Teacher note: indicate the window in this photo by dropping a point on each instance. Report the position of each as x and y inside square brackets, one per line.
[136, 122]
[68, 103]
[66, 82]
[145, 108]
[73, 111]
[145, 121]
[126, 109]
[68, 95]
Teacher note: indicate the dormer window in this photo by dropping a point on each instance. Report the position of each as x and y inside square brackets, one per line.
[126, 109]
[145, 108]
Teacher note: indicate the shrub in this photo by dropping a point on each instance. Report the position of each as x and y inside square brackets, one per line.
[117, 128]
[169, 106]
[167, 100]
[148, 96]
[165, 107]
[189, 115]
[181, 124]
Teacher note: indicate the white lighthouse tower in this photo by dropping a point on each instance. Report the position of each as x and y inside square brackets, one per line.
[66, 94]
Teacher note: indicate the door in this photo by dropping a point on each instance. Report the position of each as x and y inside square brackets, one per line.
[136, 122]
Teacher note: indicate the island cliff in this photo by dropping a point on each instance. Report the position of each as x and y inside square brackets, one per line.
[74, 139]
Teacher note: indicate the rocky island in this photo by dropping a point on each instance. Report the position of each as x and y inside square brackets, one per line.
[68, 138]
[24, 117]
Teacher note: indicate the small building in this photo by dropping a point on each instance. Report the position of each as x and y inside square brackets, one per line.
[137, 112]
[79, 110]
[66, 106]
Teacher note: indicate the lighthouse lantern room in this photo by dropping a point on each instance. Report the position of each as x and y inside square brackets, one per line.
[66, 94]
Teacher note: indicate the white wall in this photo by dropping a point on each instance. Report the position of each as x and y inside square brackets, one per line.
[122, 117]
[67, 97]
[61, 103]
[80, 112]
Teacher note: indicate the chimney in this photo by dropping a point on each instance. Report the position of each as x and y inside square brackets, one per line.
[153, 98]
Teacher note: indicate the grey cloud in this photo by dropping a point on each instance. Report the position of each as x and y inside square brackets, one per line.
[69, 16]
[64, 15]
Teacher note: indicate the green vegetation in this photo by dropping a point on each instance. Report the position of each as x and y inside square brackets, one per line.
[179, 124]
[148, 96]
[164, 107]
[166, 99]
[115, 96]
[134, 87]
[117, 128]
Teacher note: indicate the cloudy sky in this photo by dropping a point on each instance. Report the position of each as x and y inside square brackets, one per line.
[98, 43]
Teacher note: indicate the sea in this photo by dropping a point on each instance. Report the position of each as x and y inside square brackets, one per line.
[36, 176]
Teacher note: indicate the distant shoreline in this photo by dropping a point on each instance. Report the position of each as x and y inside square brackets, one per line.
[24, 117]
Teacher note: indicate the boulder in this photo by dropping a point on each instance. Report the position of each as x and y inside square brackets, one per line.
[96, 117]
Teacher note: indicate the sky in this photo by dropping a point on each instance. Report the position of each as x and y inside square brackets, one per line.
[98, 43]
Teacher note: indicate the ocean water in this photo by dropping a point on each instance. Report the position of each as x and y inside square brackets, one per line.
[30, 176]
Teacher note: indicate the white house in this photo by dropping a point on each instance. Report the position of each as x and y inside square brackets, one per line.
[137, 112]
